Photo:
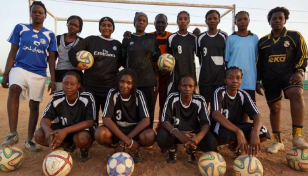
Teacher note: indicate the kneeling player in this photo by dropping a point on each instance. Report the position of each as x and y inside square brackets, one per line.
[185, 121]
[68, 120]
[229, 104]
[126, 117]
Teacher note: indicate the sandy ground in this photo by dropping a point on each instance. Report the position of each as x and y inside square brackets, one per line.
[154, 162]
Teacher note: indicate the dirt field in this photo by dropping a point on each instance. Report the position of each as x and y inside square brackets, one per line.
[154, 162]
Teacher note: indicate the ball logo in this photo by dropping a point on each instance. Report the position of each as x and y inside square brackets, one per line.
[286, 44]
[115, 48]
[43, 41]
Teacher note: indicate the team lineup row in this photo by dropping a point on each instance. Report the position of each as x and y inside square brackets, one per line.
[128, 98]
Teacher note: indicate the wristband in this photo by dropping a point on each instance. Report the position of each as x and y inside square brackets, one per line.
[172, 130]
[52, 82]
[258, 82]
[131, 143]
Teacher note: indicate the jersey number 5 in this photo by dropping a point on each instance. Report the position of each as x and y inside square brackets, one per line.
[119, 115]
[180, 49]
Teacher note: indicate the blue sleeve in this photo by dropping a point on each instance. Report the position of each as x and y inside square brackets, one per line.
[53, 43]
[256, 46]
[228, 49]
[15, 37]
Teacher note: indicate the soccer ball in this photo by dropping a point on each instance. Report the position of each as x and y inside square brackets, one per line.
[166, 61]
[120, 164]
[247, 165]
[212, 164]
[85, 57]
[57, 163]
[11, 158]
[298, 159]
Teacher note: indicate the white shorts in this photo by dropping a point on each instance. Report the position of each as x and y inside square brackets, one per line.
[34, 83]
[58, 86]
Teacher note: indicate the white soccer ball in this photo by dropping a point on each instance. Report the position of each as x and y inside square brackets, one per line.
[120, 164]
[57, 163]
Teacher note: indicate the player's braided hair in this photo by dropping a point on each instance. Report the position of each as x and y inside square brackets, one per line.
[162, 15]
[278, 9]
[188, 76]
[212, 11]
[233, 68]
[79, 20]
[238, 14]
[181, 13]
[40, 4]
[73, 73]
[131, 73]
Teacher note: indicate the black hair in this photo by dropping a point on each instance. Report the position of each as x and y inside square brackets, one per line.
[233, 68]
[278, 9]
[133, 75]
[181, 13]
[162, 15]
[79, 20]
[188, 76]
[238, 14]
[212, 11]
[73, 73]
[40, 4]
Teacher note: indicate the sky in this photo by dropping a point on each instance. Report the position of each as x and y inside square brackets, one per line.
[17, 11]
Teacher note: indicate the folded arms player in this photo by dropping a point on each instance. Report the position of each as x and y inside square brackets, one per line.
[69, 118]
[126, 117]
[185, 121]
[227, 108]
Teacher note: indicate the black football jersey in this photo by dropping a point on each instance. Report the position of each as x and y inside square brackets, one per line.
[102, 75]
[140, 53]
[185, 118]
[211, 51]
[59, 110]
[183, 48]
[233, 107]
[126, 113]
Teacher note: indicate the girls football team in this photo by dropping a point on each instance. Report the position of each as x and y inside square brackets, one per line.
[127, 98]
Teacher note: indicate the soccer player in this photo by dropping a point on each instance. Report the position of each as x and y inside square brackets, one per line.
[69, 118]
[107, 53]
[65, 42]
[211, 50]
[182, 46]
[141, 53]
[242, 51]
[229, 103]
[281, 64]
[185, 121]
[26, 70]
[126, 117]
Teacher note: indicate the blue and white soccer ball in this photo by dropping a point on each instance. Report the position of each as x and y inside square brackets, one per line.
[120, 164]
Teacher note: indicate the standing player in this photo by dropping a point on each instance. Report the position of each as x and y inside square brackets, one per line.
[281, 65]
[107, 53]
[26, 70]
[210, 50]
[182, 46]
[69, 118]
[141, 53]
[185, 121]
[65, 42]
[227, 108]
[126, 117]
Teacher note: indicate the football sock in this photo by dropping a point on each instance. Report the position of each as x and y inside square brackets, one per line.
[297, 130]
[277, 136]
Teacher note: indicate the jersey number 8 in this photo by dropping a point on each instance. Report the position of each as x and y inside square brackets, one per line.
[180, 49]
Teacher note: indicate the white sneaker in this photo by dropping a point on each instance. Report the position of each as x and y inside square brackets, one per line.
[275, 147]
[299, 142]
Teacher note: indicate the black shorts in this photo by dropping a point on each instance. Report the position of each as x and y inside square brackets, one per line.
[252, 94]
[227, 136]
[208, 92]
[69, 137]
[273, 90]
[126, 131]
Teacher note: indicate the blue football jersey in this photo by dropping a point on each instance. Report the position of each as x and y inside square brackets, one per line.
[33, 47]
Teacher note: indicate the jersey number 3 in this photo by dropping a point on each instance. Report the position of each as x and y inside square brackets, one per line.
[119, 115]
